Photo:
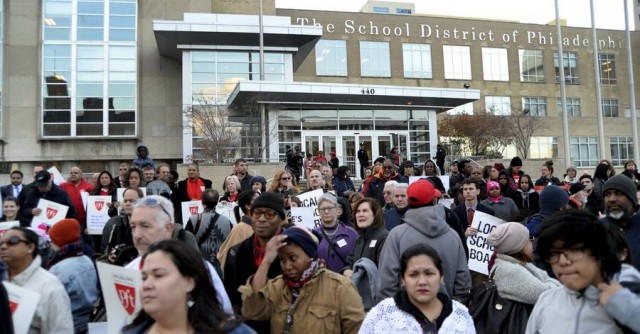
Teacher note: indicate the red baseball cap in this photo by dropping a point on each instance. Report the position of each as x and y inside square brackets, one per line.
[421, 193]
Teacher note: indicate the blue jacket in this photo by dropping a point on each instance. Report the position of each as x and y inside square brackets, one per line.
[341, 185]
[80, 280]
[140, 161]
[631, 231]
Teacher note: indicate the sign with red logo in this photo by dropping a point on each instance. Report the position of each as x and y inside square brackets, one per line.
[127, 296]
[193, 210]
[22, 305]
[99, 205]
[51, 212]
[190, 208]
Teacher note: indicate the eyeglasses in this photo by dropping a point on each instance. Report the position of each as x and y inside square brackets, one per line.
[285, 178]
[327, 209]
[476, 173]
[153, 203]
[571, 254]
[255, 214]
[13, 240]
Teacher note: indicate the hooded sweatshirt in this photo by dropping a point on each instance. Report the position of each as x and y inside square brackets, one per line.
[142, 161]
[425, 225]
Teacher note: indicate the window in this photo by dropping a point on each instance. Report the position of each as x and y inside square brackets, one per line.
[466, 108]
[609, 107]
[374, 59]
[457, 62]
[381, 10]
[534, 106]
[498, 105]
[621, 150]
[584, 151]
[417, 60]
[403, 11]
[573, 107]
[570, 61]
[543, 148]
[495, 65]
[607, 68]
[531, 65]
[89, 68]
[331, 57]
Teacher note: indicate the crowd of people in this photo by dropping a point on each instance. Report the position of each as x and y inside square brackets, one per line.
[384, 257]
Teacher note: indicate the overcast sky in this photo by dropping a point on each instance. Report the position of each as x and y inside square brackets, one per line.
[609, 13]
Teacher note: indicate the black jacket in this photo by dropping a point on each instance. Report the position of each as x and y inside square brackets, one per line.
[369, 244]
[240, 265]
[56, 194]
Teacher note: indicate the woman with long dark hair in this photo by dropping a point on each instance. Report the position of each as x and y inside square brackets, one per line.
[177, 295]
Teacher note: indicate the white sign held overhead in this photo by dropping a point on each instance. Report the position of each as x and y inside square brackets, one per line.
[479, 250]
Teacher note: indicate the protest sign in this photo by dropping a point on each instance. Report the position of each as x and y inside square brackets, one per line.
[189, 209]
[305, 217]
[310, 198]
[7, 225]
[121, 289]
[52, 213]
[22, 304]
[226, 209]
[56, 176]
[479, 250]
[97, 213]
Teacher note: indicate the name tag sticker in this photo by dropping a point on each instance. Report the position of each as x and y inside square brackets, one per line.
[341, 243]
[373, 243]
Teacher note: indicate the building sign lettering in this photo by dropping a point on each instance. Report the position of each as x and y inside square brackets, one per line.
[427, 30]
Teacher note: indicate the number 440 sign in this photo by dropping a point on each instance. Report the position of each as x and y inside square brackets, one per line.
[479, 250]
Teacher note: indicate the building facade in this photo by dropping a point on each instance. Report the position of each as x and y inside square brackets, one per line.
[89, 80]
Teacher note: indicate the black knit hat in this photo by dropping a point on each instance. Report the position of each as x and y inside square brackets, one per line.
[623, 184]
[271, 201]
[516, 161]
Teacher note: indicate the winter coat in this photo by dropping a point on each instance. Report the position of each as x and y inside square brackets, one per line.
[144, 327]
[631, 231]
[238, 234]
[56, 194]
[520, 282]
[343, 242]
[342, 184]
[140, 161]
[368, 244]
[328, 303]
[210, 243]
[389, 317]
[425, 225]
[393, 217]
[528, 203]
[504, 209]
[53, 313]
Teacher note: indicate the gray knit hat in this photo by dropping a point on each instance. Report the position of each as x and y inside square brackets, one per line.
[623, 184]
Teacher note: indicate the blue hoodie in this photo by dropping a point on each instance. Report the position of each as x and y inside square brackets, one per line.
[142, 161]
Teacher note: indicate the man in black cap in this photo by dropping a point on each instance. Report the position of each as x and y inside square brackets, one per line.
[44, 188]
[363, 158]
[407, 170]
[267, 215]
[621, 208]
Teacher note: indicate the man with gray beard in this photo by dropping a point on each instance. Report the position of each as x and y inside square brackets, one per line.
[621, 209]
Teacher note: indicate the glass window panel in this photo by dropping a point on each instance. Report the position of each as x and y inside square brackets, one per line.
[122, 115]
[90, 34]
[89, 89]
[122, 89]
[274, 77]
[57, 21]
[90, 51]
[116, 8]
[90, 21]
[122, 76]
[61, 76]
[331, 57]
[57, 64]
[197, 56]
[57, 116]
[90, 8]
[122, 52]
[57, 34]
[90, 64]
[90, 76]
[203, 67]
[58, 8]
[457, 62]
[390, 125]
[124, 103]
[89, 130]
[122, 21]
[56, 130]
[122, 65]
[233, 57]
[89, 103]
[417, 60]
[89, 116]
[122, 35]
[357, 114]
[51, 51]
[397, 115]
[495, 64]
[122, 129]
[374, 59]
[233, 67]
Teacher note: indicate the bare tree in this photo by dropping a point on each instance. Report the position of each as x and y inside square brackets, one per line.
[209, 122]
[523, 126]
[483, 132]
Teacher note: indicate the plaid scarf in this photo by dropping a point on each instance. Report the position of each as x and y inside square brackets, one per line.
[307, 275]
[69, 250]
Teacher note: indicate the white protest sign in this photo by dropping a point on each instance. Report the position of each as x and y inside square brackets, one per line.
[121, 289]
[56, 175]
[479, 250]
[85, 199]
[413, 179]
[446, 202]
[22, 304]
[305, 217]
[310, 198]
[226, 209]
[97, 213]
[445, 181]
[189, 209]
[52, 213]
[7, 225]
[98, 327]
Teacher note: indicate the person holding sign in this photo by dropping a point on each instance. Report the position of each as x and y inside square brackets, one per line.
[44, 189]
[19, 250]
[177, 295]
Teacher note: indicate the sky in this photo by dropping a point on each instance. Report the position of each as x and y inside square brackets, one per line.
[609, 13]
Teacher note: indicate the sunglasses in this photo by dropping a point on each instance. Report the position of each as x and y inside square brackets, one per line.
[13, 240]
[153, 203]
[285, 178]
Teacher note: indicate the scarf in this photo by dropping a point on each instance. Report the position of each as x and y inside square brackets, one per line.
[258, 251]
[307, 275]
[380, 175]
[67, 251]
[194, 189]
[491, 185]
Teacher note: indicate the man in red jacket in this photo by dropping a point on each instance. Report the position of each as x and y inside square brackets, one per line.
[74, 186]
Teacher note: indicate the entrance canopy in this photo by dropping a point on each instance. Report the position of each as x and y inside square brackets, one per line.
[351, 95]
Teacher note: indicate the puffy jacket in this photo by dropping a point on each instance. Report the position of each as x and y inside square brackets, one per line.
[329, 303]
[142, 161]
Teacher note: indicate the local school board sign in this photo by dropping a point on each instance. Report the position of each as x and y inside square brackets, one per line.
[436, 31]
